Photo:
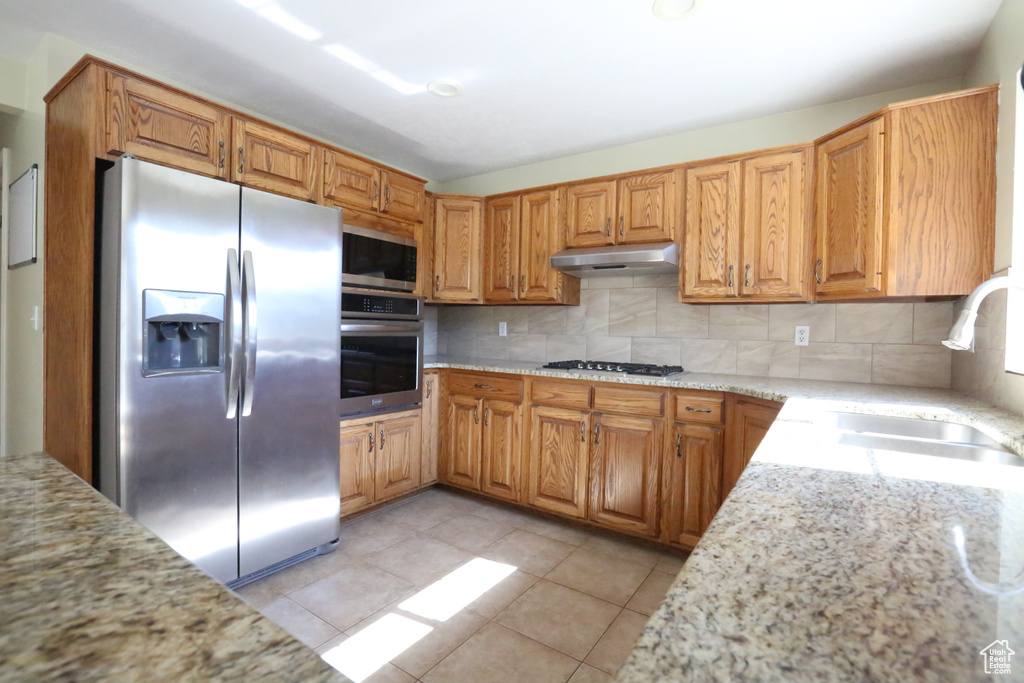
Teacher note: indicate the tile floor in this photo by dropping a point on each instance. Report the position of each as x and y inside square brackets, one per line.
[570, 610]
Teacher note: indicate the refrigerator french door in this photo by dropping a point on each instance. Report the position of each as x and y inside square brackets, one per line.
[219, 367]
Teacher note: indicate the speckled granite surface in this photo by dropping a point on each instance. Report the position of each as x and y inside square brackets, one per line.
[87, 594]
[834, 562]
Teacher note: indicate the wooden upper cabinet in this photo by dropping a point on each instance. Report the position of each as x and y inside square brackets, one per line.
[501, 249]
[648, 208]
[559, 460]
[271, 159]
[159, 125]
[850, 211]
[457, 253]
[775, 242]
[710, 246]
[590, 213]
[349, 181]
[403, 197]
[624, 472]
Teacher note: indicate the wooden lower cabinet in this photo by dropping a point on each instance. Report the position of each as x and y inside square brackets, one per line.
[431, 406]
[624, 467]
[380, 458]
[462, 443]
[499, 470]
[691, 482]
[748, 421]
[559, 460]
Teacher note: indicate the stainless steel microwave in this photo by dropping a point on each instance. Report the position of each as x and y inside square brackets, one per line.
[370, 258]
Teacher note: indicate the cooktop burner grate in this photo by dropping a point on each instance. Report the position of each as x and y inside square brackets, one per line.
[648, 369]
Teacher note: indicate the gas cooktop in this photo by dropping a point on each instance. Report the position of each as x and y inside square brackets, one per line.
[626, 368]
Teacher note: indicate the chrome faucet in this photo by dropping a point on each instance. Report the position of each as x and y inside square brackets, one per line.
[961, 335]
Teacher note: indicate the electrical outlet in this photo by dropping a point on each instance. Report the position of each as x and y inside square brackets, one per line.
[502, 329]
[803, 335]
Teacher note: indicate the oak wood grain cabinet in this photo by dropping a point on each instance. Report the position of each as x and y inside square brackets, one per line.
[748, 420]
[521, 232]
[632, 209]
[747, 231]
[430, 408]
[905, 199]
[457, 226]
[271, 159]
[380, 458]
[559, 460]
[624, 472]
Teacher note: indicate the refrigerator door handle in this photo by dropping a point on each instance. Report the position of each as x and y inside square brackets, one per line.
[249, 294]
[234, 331]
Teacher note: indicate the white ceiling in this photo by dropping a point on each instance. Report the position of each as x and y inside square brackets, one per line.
[543, 78]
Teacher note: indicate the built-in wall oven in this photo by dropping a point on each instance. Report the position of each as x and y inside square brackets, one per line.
[374, 259]
[381, 350]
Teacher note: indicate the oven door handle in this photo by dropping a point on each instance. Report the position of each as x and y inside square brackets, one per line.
[377, 328]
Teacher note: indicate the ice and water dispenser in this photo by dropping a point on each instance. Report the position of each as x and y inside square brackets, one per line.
[182, 332]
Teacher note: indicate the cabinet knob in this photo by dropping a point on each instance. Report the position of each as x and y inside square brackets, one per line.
[621, 219]
[437, 283]
[608, 227]
[679, 442]
[476, 415]
[223, 153]
[512, 284]
[698, 410]
[746, 276]
[583, 430]
[817, 276]
[428, 388]
[387, 195]
[522, 284]
[370, 439]
[597, 433]
[486, 413]
[382, 439]
[376, 191]
[482, 386]
[730, 277]
[241, 160]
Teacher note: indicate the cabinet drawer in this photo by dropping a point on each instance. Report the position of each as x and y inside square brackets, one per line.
[695, 408]
[561, 393]
[486, 386]
[631, 401]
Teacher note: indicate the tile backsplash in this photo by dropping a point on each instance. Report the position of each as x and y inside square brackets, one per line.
[639, 319]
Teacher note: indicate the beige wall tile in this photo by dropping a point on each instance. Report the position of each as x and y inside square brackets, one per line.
[618, 349]
[739, 322]
[609, 282]
[660, 350]
[685, 321]
[591, 316]
[547, 319]
[875, 323]
[657, 281]
[517, 317]
[990, 328]
[839, 362]
[461, 346]
[528, 347]
[911, 365]
[932, 322]
[709, 355]
[493, 346]
[565, 348]
[632, 312]
[821, 318]
[767, 359]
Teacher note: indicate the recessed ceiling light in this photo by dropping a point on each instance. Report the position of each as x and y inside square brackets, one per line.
[445, 87]
[673, 10]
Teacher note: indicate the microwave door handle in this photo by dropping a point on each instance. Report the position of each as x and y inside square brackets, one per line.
[249, 287]
[234, 334]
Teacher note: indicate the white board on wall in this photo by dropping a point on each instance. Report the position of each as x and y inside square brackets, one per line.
[21, 215]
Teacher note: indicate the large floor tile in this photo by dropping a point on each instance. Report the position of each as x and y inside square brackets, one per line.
[602, 576]
[567, 620]
[469, 532]
[306, 572]
[588, 674]
[372, 533]
[351, 594]
[424, 511]
[498, 655]
[501, 596]
[617, 643]
[439, 643]
[672, 562]
[627, 549]
[506, 514]
[419, 560]
[300, 622]
[651, 593]
[531, 553]
[258, 593]
[566, 532]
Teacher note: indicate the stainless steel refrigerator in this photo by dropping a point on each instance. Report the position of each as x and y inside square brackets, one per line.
[219, 367]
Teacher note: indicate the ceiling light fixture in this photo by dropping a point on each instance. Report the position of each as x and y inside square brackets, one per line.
[673, 10]
[445, 87]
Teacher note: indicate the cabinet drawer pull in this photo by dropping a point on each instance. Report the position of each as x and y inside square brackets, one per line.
[697, 410]
[428, 388]
[730, 277]
[746, 276]
[608, 227]
[370, 437]
[482, 386]
[583, 430]
[486, 413]
[223, 152]
[817, 276]
[679, 441]
[476, 415]
[376, 191]
[241, 160]
[597, 433]
[382, 439]
[621, 218]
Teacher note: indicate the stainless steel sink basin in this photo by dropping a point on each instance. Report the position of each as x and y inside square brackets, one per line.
[942, 449]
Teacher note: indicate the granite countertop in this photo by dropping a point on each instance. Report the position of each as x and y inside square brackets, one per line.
[835, 562]
[87, 593]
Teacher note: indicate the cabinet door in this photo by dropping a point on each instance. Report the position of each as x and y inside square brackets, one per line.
[350, 182]
[540, 237]
[589, 214]
[711, 230]
[357, 459]
[648, 208]
[398, 454]
[692, 483]
[747, 423]
[431, 398]
[162, 126]
[273, 160]
[625, 461]
[848, 221]
[559, 460]
[457, 249]
[774, 242]
[461, 451]
[499, 475]
[501, 249]
[403, 197]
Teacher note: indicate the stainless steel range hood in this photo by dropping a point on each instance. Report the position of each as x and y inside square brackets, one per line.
[633, 259]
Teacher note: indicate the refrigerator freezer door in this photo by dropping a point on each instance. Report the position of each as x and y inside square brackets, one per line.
[168, 453]
[289, 494]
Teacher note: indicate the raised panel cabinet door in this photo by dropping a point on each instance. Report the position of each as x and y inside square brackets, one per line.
[747, 423]
[431, 401]
[350, 182]
[559, 460]
[849, 215]
[501, 249]
[357, 463]
[774, 242]
[457, 271]
[624, 467]
[165, 127]
[403, 197]
[710, 235]
[540, 236]
[692, 482]
[271, 159]
[501, 453]
[648, 208]
[398, 454]
[461, 449]
[590, 213]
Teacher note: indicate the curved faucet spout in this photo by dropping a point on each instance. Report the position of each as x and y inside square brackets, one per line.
[961, 335]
